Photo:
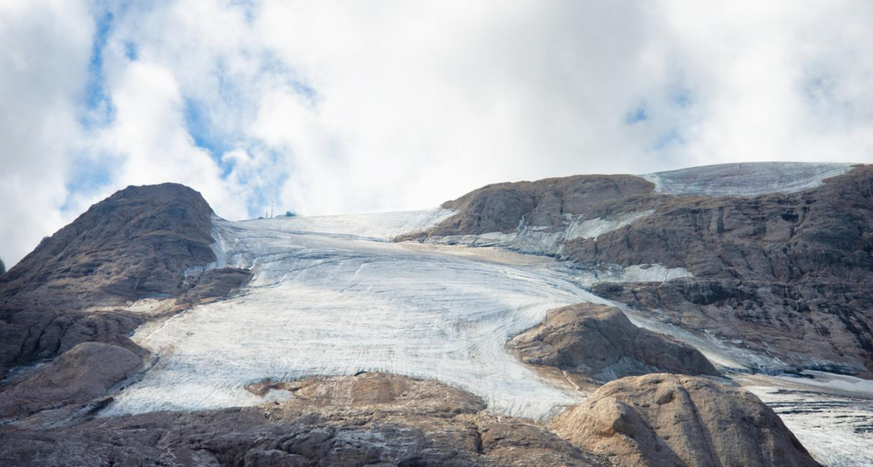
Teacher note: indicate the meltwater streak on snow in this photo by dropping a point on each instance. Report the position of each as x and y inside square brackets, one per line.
[337, 305]
[745, 179]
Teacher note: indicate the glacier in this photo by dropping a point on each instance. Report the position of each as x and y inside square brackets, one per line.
[333, 295]
[333, 304]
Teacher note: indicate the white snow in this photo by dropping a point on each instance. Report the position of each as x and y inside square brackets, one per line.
[745, 179]
[375, 226]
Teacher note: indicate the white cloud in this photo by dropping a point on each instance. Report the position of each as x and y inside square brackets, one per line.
[44, 53]
[332, 106]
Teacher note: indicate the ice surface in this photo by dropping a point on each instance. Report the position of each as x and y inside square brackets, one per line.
[831, 415]
[337, 305]
[745, 179]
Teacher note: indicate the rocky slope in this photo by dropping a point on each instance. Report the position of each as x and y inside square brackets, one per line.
[600, 342]
[785, 274]
[664, 419]
[137, 243]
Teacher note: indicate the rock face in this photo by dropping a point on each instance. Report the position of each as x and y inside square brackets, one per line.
[787, 274]
[663, 419]
[81, 374]
[600, 342]
[370, 419]
[137, 243]
[2, 268]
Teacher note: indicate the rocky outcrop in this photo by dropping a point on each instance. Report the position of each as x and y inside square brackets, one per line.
[138, 243]
[369, 419]
[545, 203]
[600, 342]
[663, 419]
[83, 373]
[2, 268]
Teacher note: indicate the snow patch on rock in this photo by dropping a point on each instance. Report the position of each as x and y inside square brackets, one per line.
[542, 240]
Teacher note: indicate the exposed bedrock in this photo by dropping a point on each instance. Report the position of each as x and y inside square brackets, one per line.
[788, 274]
[85, 372]
[676, 420]
[369, 419]
[137, 243]
[600, 342]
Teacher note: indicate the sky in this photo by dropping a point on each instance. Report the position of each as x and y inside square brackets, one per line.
[328, 107]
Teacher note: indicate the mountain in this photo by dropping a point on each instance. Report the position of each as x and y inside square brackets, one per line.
[137, 244]
[682, 317]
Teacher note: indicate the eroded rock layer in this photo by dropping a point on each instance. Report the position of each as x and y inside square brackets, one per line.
[369, 419]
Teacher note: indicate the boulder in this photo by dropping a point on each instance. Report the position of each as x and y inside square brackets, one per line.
[666, 419]
[600, 342]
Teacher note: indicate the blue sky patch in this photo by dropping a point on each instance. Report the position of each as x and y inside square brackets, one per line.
[95, 95]
[640, 114]
[199, 126]
[131, 51]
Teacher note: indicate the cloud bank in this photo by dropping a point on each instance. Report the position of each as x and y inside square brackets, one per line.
[334, 107]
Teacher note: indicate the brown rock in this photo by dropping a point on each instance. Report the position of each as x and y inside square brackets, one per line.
[664, 419]
[81, 374]
[600, 342]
